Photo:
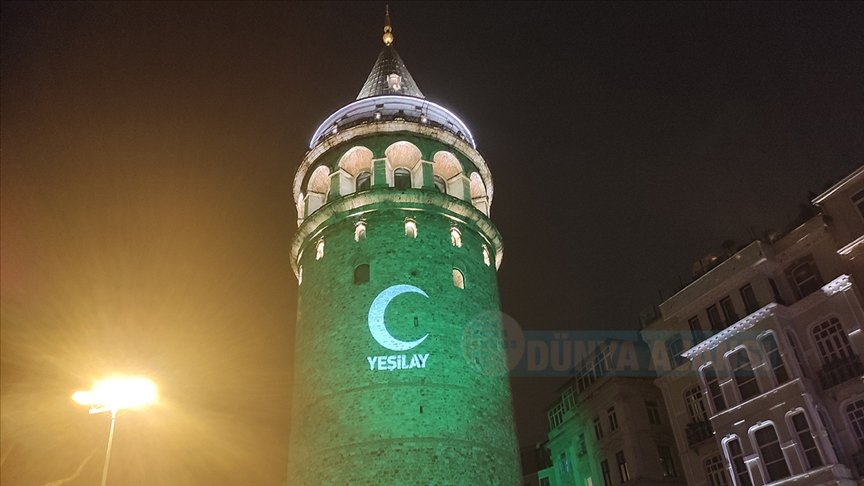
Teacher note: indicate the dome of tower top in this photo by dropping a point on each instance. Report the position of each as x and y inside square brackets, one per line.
[389, 94]
[389, 77]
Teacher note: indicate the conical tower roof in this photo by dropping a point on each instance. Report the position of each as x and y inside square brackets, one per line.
[389, 75]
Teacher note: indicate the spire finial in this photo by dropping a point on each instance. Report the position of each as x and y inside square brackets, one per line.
[388, 31]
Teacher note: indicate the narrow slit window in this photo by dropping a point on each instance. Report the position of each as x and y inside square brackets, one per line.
[410, 228]
[300, 275]
[456, 237]
[361, 274]
[487, 259]
[319, 250]
[360, 231]
[458, 279]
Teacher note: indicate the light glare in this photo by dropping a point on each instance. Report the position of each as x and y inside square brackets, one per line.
[118, 393]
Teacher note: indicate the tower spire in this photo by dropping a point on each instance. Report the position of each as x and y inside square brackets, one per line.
[388, 31]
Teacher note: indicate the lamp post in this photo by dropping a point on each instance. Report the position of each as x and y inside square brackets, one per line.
[115, 394]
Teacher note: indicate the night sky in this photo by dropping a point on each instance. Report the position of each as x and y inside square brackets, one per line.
[148, 152]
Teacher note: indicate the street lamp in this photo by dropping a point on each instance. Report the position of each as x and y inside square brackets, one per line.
[115, 394]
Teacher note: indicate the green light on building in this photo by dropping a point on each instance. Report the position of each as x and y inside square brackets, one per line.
[395, 254]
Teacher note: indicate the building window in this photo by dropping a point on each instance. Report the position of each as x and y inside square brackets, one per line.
[458, 279]
[440, 185]
[716, 472]
[360, 231]
[582, 447]
[402, 178]
[456, 237]
[749, 298]
[361, 274]
[675, 346]
[319, 250]
[855, 414]
[831, 341]
[622, 466]
[613, 419]
[565, 464]
[771, 453]
[695, 329]
[487, 259]
[598, 428]
[858, 201]
[607, 477]
[714, 318]
[728, 310]
[695, 401]
[410, 228]
[801, 429]
[666, 461]
[772, 354]
[653, 412]
[742, 371]
[736, 458]
[805, 278]
[793, 342]
[712, 384]
[364, 181]
[774, 290]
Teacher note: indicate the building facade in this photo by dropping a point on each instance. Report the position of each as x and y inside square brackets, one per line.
[761, 356]
[607, 430]
[396, 260]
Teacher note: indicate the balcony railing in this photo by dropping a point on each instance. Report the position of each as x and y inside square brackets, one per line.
[699, 432]
[840, 371]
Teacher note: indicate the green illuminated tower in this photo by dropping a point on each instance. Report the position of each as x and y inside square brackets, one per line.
[396, 258]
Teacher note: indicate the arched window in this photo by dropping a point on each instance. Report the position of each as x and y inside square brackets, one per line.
[410, 228]
[775, 361]
[712, 384]
[458, 279]
[715, 472]
[832, 342]
[364, 181]
[805, 278]
[402, 178]
[319, 250]
[361, 274]
[771, 453]
[742, 371]
[695, 400]
[456, 237]
[800, 428]
[440, 184]
[855, 414]
[360, 230]
[735, 456]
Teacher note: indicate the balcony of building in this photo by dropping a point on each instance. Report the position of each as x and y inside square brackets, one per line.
[698, 432]
[840, 371]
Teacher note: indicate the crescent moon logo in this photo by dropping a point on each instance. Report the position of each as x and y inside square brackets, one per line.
[376, 318]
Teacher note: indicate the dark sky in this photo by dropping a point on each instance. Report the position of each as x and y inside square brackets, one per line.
[148, 152]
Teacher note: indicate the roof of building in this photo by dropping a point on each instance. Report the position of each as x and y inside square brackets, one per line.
[389, 76]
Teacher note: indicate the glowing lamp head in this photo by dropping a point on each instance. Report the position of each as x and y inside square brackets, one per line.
[118, 393]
